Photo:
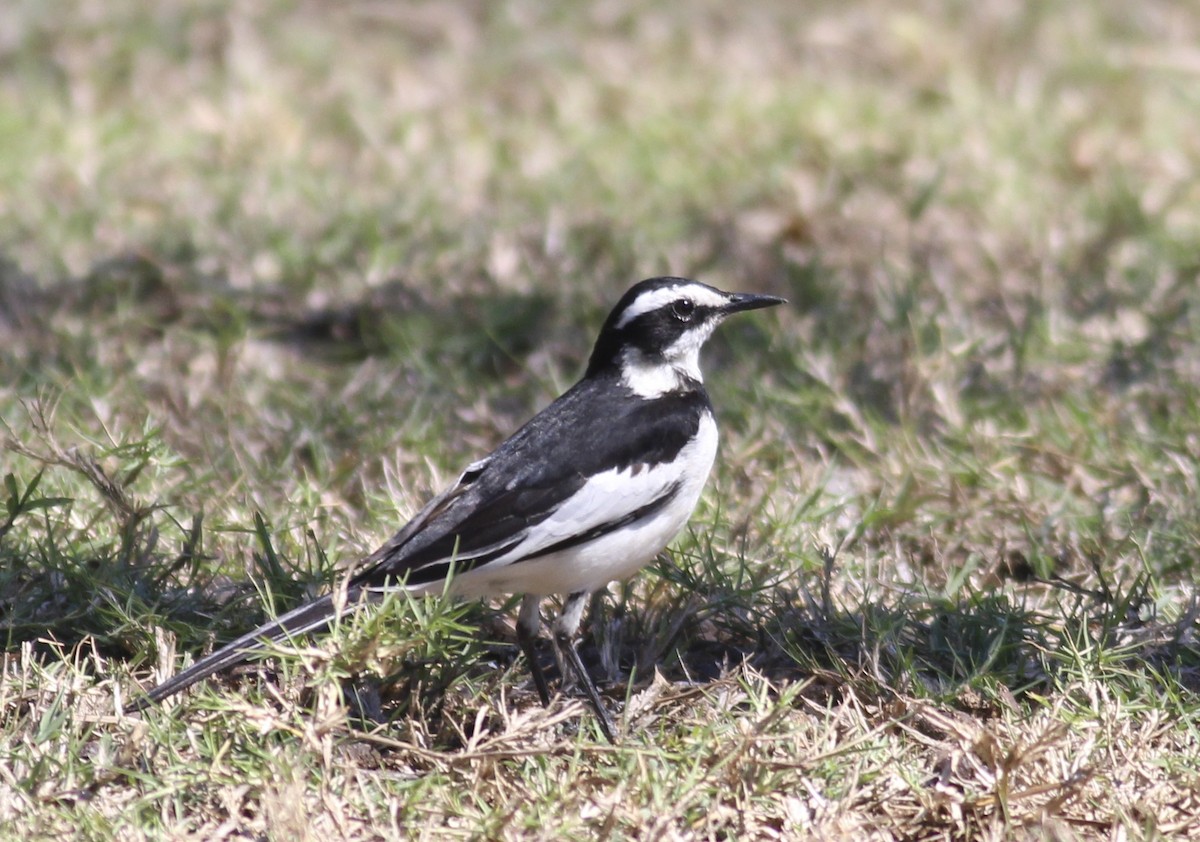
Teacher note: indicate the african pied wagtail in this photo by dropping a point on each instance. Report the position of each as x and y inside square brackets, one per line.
[588, 491]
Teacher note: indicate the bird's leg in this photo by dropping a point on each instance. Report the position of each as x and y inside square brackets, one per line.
[564, 638]
[528, 623]
[362, 696]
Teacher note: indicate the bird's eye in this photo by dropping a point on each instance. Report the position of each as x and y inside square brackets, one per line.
[683, 309]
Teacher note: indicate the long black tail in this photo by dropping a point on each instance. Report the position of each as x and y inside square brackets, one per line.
[310, 617]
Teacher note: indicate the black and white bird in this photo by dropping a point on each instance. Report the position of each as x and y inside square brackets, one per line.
[589, 491]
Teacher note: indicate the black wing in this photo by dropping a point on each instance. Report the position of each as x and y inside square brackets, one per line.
[498, 500]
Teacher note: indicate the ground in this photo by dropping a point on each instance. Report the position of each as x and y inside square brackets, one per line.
[271, 274]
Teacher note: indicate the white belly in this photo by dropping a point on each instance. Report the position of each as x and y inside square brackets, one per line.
[615, 555]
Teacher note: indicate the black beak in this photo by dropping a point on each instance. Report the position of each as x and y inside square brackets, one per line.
[739, 301]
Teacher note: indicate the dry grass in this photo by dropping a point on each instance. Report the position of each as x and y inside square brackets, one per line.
[270, 275]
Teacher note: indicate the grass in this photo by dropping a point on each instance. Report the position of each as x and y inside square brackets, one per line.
[269, 277]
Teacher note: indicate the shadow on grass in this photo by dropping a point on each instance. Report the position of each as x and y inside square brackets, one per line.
[986, 649]
[979, 652]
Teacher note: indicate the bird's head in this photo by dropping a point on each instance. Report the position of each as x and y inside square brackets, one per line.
[654, 334]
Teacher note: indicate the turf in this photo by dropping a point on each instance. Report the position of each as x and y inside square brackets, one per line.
[270, 275]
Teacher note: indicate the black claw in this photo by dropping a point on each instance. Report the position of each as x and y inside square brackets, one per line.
[566, 645]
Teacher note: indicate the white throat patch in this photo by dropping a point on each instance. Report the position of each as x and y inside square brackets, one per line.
[652, 377]
[647, 378]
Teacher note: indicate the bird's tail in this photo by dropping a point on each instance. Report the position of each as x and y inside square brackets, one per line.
[310, 617]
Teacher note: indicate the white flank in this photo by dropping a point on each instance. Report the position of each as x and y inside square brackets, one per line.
[604, 498]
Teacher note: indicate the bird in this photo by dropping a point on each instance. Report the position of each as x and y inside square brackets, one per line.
[587, 492]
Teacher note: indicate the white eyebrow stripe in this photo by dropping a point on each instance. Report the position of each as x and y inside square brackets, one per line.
[650, 301]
